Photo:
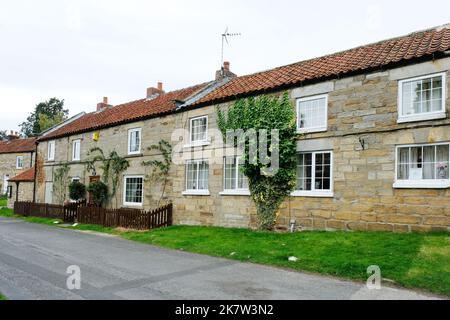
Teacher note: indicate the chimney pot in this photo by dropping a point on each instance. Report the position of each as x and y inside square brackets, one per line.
[103, 105]
[224, 72]
[153, 92]
[226, 66]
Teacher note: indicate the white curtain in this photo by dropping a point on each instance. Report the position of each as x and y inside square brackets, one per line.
[428, 162]
[442, 162]
[403, 158]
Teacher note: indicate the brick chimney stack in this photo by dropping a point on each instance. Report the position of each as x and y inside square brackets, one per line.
[224, 72]
[103, 105]
[153, 92]
[13, 135]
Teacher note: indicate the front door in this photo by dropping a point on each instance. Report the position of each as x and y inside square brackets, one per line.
[5, 183]
[49, 192]
[92, 179]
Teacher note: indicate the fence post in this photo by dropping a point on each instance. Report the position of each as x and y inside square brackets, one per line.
[170, 217]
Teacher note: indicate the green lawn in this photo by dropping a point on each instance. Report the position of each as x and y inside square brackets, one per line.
[417, 260]
[3, 201]
[2, 297]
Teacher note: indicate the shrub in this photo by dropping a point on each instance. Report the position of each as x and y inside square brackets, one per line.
[98, 191]
[77, 191]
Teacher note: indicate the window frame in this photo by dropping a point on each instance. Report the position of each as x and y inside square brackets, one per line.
[317, 193]
[198, 142]
[17, 162]
[195, 192]
[425, 115]
[312, 129]
[51, 150]
[73, 179]
[235, 191]
[132, 204]
[423, 183]
[130, 131]
[74, 142]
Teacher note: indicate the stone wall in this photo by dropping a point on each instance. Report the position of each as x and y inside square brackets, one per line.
[360, 107]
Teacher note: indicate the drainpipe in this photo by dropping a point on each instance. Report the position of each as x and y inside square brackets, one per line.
[35, 171]
[17, 191]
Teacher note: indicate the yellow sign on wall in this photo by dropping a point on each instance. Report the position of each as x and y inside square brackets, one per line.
[96, 136]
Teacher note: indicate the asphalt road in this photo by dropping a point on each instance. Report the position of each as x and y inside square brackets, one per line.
[34, 260]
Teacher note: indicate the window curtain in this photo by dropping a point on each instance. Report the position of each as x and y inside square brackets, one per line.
[442, 162]
[428, 162]
[403, 157]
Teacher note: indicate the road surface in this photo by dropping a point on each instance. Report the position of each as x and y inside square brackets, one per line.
[34, 260]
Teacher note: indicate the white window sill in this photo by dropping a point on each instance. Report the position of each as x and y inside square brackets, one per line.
[17, 168]
[311, 130]
[197, 144]
[235, 193]
[133, 205]
[137, 153]
[196, 193]
[422, 117]
[313, 194]
[422, 184]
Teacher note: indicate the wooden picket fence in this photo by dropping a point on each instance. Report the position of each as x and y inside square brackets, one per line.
[82, 213]
[127, 218]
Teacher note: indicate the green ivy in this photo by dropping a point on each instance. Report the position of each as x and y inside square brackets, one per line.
[112, 166]
[60, 182]
[264, 112]
[160, 169]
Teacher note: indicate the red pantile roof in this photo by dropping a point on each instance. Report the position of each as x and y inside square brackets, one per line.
[124, 113]
[26, 176]
[418, 46]
[378, 55]
[18, 146]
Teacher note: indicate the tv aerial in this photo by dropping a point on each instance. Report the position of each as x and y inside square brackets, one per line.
[225, 37]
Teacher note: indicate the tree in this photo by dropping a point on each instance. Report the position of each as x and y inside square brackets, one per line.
[46, 122]
[160, 169]
[3, 135]
[112, 167]
[268, 189]
[46, 115]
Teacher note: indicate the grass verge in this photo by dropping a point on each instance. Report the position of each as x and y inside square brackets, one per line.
[3, 202]
[416, 260]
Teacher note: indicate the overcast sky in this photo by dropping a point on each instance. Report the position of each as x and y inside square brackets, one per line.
[80, 51]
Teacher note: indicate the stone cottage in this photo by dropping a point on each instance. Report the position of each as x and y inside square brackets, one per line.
[16, 156]
[373, 153]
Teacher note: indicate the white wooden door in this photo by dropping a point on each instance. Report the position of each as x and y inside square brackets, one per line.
[5, 183]
[49, 192]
